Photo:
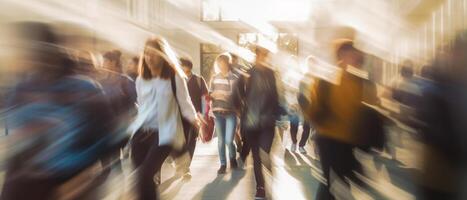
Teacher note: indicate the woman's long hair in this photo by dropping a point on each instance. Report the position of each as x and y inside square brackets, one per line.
[170, 65]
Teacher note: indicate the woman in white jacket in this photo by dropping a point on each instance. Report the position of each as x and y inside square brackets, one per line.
[158, 128]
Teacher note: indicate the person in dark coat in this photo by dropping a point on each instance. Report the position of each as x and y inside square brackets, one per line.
[260, 102]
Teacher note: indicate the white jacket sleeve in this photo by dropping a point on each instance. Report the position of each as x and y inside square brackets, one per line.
[139, 99]
[187, 109]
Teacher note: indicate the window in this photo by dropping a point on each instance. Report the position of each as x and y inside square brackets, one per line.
[270, 10]
[211, 10]
[287, 42]
[142, 11]
[209, 53]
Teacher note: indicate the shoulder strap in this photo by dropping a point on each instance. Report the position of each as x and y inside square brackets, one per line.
[174, 88]
[198, 80]
[174, 91]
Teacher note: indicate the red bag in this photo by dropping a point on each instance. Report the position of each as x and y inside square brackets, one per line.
[207, 128]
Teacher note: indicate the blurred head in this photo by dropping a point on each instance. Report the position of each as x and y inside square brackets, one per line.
[223, 63]
[112, 60]
[262, 55]
[133, 65]
[234, 58]
[407, 69]
[347, 54]
[406, 72]
[41, 51]
[155, 58]
[186, 65]
[85, 62]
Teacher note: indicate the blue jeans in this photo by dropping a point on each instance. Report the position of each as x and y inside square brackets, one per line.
[225, 130]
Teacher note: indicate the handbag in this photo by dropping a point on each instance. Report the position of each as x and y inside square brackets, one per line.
[207, 128]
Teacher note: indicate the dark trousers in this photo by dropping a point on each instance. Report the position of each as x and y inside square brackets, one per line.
[426, 193]
[109, 163]
[259, 142]
[339, 157]
[191, 146]
[148, 157]
[183, 166]
[24, 184]
[294, 131]
[238, 139]
[22, 187]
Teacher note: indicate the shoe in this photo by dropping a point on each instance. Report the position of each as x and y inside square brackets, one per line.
[222, 169]
[187, 176]
[233, 164]
[302, 150]
[241, 163]
[293, 148]
[260, 193]
[157, 180]
[242, 158]
[182, 172]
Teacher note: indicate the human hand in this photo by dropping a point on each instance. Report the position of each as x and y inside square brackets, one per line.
[197, 123]
[211, 114]
[201, 119]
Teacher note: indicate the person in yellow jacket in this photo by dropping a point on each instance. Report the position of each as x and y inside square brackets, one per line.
[336, 111]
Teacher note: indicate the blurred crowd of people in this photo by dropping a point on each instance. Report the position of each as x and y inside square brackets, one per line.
[68, 112]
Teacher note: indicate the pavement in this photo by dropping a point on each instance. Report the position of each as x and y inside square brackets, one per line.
[295, 177]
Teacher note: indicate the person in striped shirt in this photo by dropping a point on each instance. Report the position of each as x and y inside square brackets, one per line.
[221, 88]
